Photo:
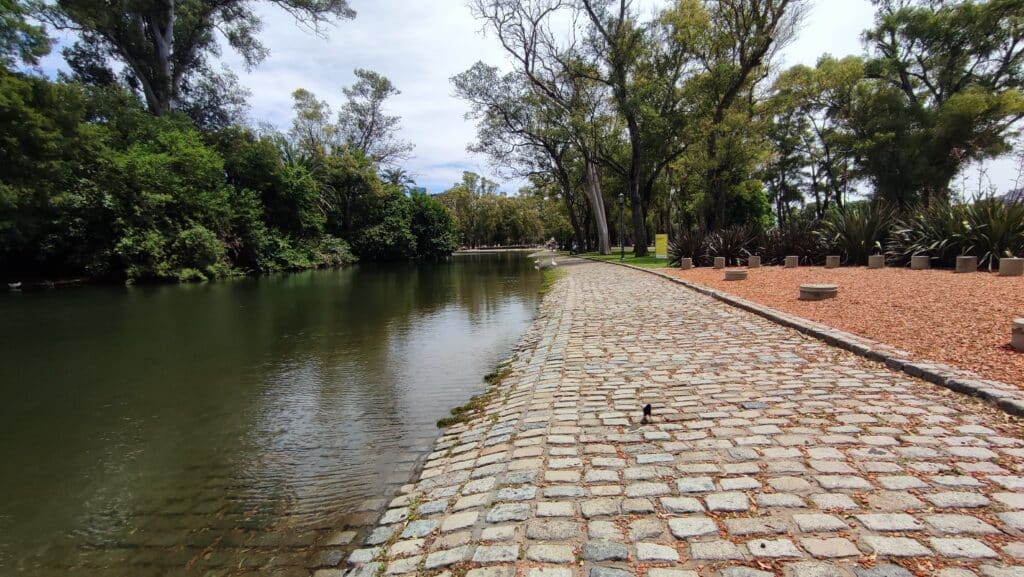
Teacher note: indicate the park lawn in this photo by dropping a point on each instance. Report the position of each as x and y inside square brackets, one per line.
[643, 262]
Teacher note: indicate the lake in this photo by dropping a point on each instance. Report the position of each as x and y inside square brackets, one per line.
[240, 427]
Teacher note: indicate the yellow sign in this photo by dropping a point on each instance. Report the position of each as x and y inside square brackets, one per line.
[661, 246]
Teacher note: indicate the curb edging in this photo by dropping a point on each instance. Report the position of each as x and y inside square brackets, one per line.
[1002, 395]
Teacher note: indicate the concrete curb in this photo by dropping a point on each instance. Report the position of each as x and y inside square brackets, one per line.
[1002, 395]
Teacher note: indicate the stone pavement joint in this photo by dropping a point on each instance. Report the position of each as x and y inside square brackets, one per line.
[769, 453]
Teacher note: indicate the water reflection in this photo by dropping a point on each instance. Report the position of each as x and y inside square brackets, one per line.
[232, 425]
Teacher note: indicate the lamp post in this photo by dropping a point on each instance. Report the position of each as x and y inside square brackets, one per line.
[622, 227]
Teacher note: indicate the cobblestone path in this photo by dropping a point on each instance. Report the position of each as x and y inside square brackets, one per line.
[769, 454]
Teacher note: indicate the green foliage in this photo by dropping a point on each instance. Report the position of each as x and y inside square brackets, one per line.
[165, 46]
[486, 218]
[689, 243]
[20, 41]
[988, 228]
[939, 230]
[798, 236]
[433, 226]
[93, 185]
[858, 230]
[388, 233]
[996, 230]
[732, 243]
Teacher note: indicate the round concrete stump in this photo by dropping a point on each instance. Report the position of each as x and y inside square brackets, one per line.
[792, 262]
[1011, 267]
[1017, 341]
[876, 261]
[686, 264]
[966, 264]
[719, 262]
[818, 292]
[832, 261]
[921, 262]
[754, 262]
[735, 275]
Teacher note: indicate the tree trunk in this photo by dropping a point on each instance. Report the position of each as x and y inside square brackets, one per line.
[594, 193]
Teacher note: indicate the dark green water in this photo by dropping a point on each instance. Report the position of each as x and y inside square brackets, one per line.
[239, 426]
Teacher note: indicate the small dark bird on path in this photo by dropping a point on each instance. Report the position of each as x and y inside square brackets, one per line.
[647, 415]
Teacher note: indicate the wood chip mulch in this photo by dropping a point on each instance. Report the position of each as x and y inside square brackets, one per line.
[962, 320]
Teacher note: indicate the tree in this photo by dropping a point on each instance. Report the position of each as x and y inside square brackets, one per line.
[643, 66]
[819, 105]
[735, 53]
[566, 102]
[515, 129]
[165, 42]
[364, 126]
[433, 227]
[958, 68]
[398, 177]
[20, 41]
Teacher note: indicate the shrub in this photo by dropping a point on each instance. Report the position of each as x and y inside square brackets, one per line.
[995, 230]
[198, 248]
[939, 230]
[858, 230]
[334, 252]
[795, 237]
[689, 243]
[733, 243]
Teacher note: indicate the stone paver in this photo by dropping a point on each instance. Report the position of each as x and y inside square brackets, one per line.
[769, 453]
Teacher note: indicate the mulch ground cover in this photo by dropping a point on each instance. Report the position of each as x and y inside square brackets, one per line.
[959, 319]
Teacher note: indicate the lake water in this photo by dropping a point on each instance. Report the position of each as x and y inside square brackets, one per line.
[238, 427]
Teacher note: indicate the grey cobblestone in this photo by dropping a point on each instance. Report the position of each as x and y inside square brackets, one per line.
[811, 460]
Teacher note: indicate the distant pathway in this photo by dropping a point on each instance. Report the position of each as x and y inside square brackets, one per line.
[770, 454]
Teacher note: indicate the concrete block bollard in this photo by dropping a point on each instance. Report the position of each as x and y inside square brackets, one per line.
[1011, 267]
[735, 275]
[1017, 341]
[966, 264]
[686, 263]
[754, 262]
[832, 261]
[921, 262]
[818, 292]
[876, 261]
[719, 262]
[792, 261]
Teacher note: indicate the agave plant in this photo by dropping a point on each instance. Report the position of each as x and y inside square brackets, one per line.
[796, 237]
[689, 243]
[858, 230]
[995, 230]
[938, 230]
[733, 243]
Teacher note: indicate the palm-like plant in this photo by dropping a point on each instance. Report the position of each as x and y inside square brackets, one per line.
[689, 243]
[796, 237]
[939, 230]
[995, 230]
[733, 243]
[858, 230]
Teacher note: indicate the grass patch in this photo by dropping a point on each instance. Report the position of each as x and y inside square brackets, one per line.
[644, 262]
[476, 405]
[549, 277]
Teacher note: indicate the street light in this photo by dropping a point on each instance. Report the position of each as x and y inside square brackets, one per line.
[622, 227]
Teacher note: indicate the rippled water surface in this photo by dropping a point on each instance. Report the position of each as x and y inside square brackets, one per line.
[234, 427]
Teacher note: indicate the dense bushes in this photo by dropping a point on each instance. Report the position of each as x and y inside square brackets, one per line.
[92, 185]
[988, 228]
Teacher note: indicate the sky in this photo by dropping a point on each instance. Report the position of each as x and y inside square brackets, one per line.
[420, 45]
